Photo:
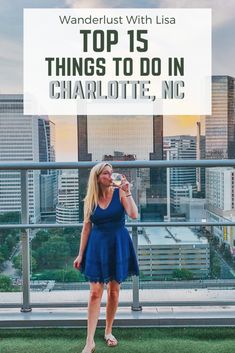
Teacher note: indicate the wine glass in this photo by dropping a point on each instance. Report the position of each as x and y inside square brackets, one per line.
[117, 179]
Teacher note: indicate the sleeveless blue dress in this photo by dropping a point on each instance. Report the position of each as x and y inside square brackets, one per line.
[109, 253]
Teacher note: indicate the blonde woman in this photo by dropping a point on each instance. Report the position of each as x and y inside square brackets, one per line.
[106, 253]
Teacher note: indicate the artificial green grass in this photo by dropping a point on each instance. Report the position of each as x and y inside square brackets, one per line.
[138, 340]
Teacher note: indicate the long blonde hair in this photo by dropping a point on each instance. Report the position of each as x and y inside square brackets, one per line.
[92, 195]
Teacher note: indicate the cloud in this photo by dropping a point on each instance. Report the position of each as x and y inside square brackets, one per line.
[10, 49]
[11, 41]
[109, 3]
[88, 3]
[11, 63]
[11, 30]
[223, 20]
[222, 12]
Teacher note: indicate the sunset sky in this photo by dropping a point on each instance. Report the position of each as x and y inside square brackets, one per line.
[66, 134]
[11, 57]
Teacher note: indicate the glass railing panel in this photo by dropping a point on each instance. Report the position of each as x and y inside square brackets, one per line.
[169, 256]
[10, 245]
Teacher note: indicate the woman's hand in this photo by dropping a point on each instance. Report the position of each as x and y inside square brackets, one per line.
[127, 199]
[125, 185]
[77, 262]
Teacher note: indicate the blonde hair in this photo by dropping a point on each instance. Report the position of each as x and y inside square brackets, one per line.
[92, 195]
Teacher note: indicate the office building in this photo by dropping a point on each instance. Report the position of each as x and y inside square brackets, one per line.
[220, 194]
[179, 192]
[19, 141]
[181, 147]
[67, 209]
[220, 126]
[48, 178]
[162, 250]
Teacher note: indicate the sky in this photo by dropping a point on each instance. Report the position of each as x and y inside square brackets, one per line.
[11, 53]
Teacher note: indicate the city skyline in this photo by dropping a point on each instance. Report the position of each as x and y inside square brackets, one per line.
[185, 204]
[66, 135]
[200, 249]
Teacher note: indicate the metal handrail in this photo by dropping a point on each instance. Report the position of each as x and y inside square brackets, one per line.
[136, 224]
[120, 164]
[24, 167]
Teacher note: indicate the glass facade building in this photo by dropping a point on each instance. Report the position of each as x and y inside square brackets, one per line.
[220, 126]
[18, 142]
[115, 136]
[48, 178]
[26, 138]
[181, 147]
[67, 209]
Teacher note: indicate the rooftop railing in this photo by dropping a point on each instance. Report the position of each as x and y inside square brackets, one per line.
[25, 226]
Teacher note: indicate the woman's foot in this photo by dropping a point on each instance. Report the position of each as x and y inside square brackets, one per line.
[110, 340]
[89, 348]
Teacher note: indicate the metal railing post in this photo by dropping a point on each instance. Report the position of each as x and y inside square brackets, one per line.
[25, 243]
[135, 279]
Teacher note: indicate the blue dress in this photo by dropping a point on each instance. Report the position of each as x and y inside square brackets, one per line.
[109, 253]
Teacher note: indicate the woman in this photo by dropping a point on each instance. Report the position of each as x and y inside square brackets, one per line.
[106, 253]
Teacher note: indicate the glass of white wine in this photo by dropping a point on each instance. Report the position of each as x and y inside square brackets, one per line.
[117, 179]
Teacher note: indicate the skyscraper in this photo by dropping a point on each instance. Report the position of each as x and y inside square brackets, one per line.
[221, 190]
[139, 136]
[220, 126]
[220, 144]
[182, 147]
[200, 154]
[26, 138]
[67, 207]
[18, 142]
[220, 197]
[83, 155]
[48, 178]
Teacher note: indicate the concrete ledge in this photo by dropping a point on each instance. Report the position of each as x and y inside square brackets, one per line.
[148, 317]
[122, 304]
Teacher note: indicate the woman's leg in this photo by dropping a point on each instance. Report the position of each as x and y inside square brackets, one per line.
[113, 289]
[96, 291]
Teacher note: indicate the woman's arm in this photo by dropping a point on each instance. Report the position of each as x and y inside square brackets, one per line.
[86, 229]
[127, 199]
